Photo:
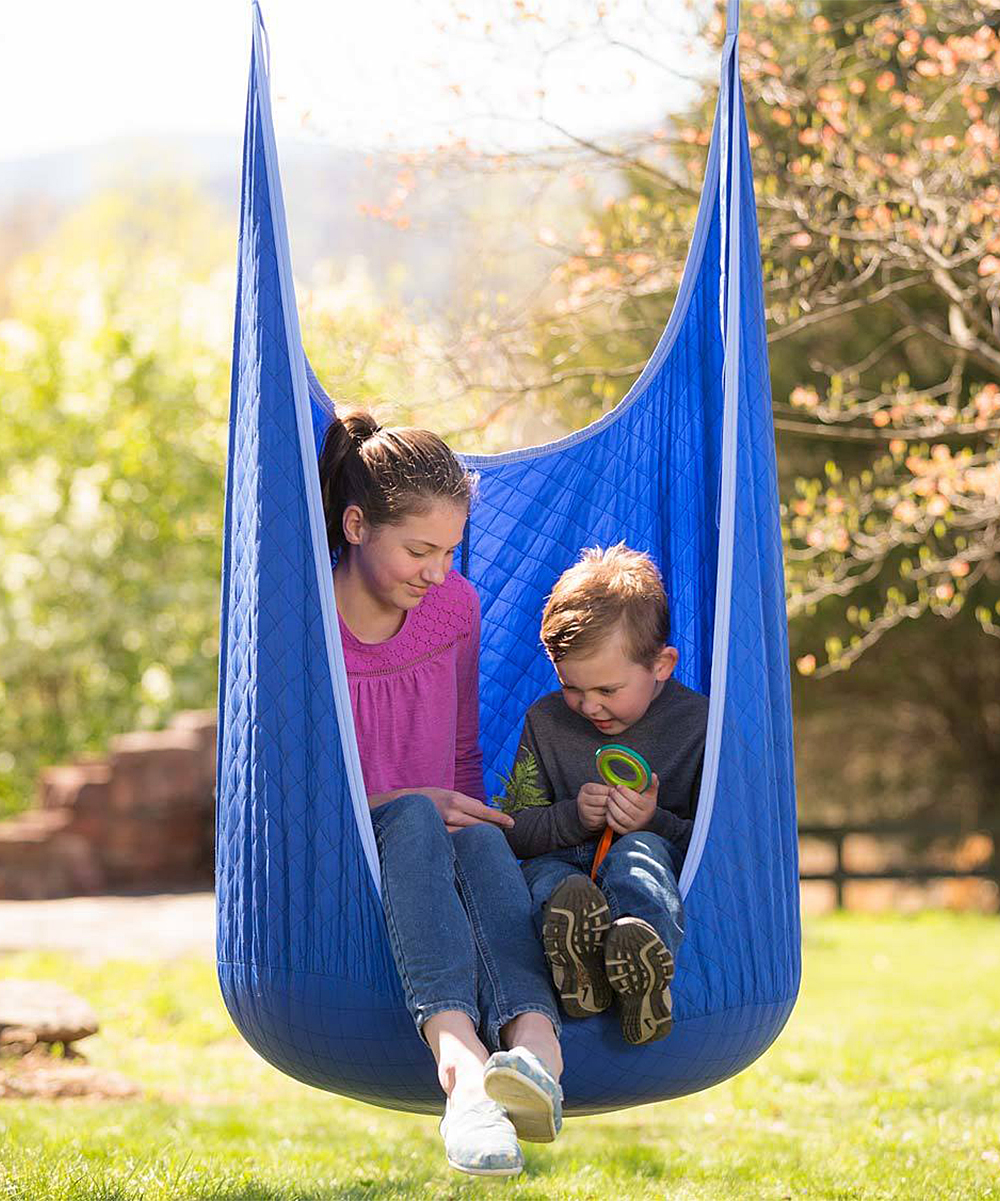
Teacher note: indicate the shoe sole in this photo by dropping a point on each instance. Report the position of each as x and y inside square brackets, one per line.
[528, 1105]
[577, 920]
[640, 969]
[514, 1171]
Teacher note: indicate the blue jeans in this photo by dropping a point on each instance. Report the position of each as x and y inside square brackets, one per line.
[459, 918]
[638, 877]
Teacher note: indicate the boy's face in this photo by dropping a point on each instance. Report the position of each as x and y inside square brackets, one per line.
[608, 688]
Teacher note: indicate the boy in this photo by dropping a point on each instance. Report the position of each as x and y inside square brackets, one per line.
[605, 628]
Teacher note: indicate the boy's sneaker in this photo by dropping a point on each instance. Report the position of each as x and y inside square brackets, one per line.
[577, 919]
[640, 967]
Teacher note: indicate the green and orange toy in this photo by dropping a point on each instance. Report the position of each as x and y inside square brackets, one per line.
[619, 765]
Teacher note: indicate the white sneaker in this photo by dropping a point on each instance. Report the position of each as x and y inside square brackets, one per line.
[519, 1081]
[480, 1139]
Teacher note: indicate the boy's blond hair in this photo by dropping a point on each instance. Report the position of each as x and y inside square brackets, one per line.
[617, 587]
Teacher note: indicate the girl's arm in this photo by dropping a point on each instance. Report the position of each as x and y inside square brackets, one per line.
[468, 753]
[383, 798]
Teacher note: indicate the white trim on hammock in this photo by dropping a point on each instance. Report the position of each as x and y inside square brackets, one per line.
[727, 505]
[307, 447]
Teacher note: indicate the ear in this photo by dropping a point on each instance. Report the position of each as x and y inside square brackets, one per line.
[355, 526]
[665, 662]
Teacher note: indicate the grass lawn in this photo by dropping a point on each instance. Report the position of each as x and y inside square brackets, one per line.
[885, 1084]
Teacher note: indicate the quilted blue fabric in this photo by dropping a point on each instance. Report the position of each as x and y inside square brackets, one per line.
[684, 467]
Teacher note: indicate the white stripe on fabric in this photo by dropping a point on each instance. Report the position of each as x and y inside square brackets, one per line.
[724, 143]
[314, 504]
[724, 572]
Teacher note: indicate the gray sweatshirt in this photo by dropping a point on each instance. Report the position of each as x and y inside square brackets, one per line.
[670, 736]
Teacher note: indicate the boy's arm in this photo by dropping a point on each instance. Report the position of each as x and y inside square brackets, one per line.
[671, 826]
[674, 829]
[543, 823]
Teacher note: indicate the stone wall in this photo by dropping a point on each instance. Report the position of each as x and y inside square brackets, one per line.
[144, 818]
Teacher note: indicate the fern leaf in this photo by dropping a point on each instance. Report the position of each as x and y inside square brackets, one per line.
[521, 787]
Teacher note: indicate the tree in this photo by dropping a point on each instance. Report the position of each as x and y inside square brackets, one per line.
[875, 130]
[878, 133]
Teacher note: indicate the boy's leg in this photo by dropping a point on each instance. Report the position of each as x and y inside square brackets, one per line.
[639, 877]
[575, 920]
[544, 874]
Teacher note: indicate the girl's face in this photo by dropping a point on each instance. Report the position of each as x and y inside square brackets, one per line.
[399, 563]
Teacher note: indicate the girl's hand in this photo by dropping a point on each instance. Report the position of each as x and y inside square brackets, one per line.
[458, 810]
[592, 806]
[629, 810]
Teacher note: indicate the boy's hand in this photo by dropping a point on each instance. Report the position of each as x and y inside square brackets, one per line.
[629, 810]
[592, 806]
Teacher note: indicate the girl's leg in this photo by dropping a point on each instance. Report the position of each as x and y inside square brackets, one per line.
[515, 997]
[536, 1032]
[479, 1136]
[436, 957]
[459, 1055]
[431, 939]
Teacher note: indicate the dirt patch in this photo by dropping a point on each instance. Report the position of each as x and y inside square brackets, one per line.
[163, 926]
[39, 1074]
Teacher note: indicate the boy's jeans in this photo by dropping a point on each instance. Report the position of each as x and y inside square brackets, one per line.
[459, 918]
[638, 877]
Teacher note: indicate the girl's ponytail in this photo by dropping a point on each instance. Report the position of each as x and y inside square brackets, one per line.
[388, 472]
[342, 473]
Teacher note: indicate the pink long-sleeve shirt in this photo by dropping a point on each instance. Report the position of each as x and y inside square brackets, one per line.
[416, 696]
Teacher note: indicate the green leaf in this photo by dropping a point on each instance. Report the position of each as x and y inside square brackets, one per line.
[521, 787]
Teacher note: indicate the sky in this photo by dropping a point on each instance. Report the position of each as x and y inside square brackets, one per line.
[371, 75]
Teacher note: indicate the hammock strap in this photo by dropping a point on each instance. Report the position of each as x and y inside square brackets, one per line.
[258, 19]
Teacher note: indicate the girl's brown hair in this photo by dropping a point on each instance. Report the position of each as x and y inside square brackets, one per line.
[606, 590]
[389, 472]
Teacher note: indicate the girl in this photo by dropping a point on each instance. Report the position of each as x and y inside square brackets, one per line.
[458, 912]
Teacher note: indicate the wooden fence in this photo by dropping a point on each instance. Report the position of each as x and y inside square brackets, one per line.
[911, 852]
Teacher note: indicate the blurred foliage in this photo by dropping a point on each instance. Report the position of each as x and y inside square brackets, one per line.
[875, 132]
[115, 347]
[112, 436]
[368, 352]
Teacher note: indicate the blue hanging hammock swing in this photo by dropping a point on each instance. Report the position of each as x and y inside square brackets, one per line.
[684, 468]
